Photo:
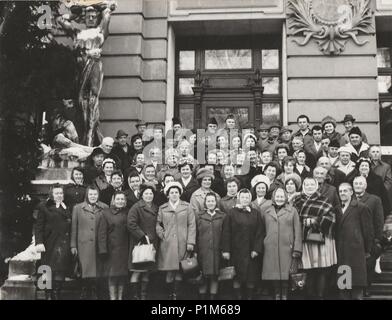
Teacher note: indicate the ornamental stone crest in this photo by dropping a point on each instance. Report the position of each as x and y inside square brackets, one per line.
[330, 22]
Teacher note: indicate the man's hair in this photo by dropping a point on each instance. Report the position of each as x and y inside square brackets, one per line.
[317, 128]
[303, 116]
[347, 185]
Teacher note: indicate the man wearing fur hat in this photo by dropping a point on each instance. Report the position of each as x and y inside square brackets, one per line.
[357, 147]
[348, 123]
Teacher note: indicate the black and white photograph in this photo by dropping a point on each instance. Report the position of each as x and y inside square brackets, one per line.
[201, 151]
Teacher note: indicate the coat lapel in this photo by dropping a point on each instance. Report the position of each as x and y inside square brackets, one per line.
[272, 212]
[351, 208]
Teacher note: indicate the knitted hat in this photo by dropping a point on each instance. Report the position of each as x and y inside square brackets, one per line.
[121, 133]
[344, 149]
[295, 177]
[204, 172]
[260, 178]
[212, 121]
[108, 160]
[355, 130]
[328, 119]
[173, 184]
[334, 143]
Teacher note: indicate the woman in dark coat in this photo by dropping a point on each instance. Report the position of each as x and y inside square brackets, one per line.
[242, 243]
[209, 223]
[188, 183]
[75, 192]
[113, 244]
[116, 184]
[52, 237]
[375, 184]
[142, 219]
[230, 199]
[84, 244]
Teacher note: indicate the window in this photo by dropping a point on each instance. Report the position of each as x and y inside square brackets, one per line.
[228, 59]
[384, 55]
[228, 68]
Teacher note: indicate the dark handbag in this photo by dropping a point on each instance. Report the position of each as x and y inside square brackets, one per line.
[189, 264]
[297, 277]
[313, 236]
[77, 268]
[226, 273]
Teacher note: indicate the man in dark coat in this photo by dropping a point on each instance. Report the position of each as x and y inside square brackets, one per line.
[133, 193]
[354, 243]
[374, 204]
[334, 176]
[52, 238]
[93, 168]
[381, 169]
[312, 146]
[123, 150]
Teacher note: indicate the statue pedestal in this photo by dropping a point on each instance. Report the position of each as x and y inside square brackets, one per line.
[20, 284]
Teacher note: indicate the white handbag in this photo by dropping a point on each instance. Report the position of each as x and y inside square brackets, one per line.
[143, 253]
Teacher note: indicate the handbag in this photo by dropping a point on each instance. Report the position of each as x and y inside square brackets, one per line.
[77, 268]
[297, 278]
[189, 264]
[226, 273]
[313, 236]
[143, 253]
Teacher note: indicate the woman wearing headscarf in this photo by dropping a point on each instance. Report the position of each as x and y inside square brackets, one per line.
[282, 242]
[260, 185]
[84, 246]
[176, 230]
[52, 238]
[75, 192]
[242, 243]
[113, 244]
[209, 223]
[142, 220]
[318, 220]
[205, 178]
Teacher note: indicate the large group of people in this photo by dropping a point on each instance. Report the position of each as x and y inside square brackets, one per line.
[267, 202]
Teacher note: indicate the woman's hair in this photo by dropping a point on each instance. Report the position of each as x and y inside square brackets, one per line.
[91, 187]
[55, 186]
[295, 183]
[116, 193]
[180, 166]
[135, 156]
[79, 169]
[149, 166]
[167, 175]
[287, 160]
[282, 146]
[244, 190]
[211, 194]
[360, 160]
[145, 187]
[173, 187]
[233, 179]
[117, 173]
[284, 192]
[136, 137]
[273, 165]
[232, 138]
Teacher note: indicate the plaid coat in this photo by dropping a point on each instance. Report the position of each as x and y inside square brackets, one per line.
[316, 206]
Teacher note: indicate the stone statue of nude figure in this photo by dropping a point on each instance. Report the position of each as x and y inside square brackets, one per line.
[89, 36]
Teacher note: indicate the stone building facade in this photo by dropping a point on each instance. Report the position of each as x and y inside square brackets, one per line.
[161, 60]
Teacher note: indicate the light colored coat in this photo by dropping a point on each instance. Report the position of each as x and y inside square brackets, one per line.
[283, 236]
[85, 219]
[175, 229]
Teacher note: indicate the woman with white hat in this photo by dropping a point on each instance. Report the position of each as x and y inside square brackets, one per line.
[176, 230]
[260, 185]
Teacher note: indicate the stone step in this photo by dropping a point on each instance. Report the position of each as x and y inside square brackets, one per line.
[382, 288]
[378, 297]
[385, 276]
